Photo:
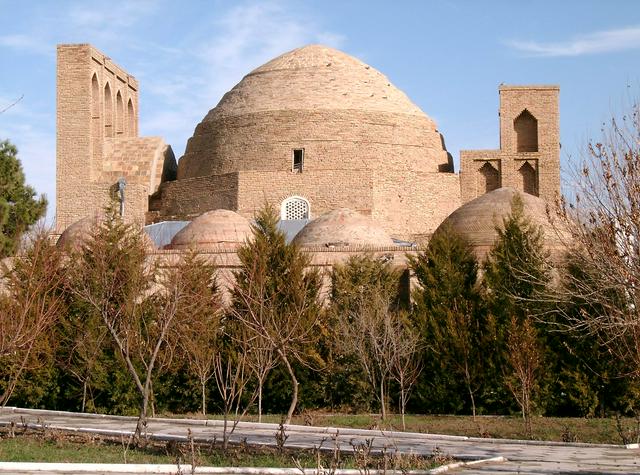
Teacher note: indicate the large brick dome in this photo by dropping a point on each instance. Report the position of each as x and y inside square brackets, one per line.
[311, 131]
[343, 112]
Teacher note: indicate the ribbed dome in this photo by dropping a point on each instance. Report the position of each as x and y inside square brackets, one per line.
[214, 230]
[477, 220]
[341, 228]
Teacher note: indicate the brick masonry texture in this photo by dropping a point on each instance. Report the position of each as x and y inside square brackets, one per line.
[366, 146]
[97, 138]
[542, 103]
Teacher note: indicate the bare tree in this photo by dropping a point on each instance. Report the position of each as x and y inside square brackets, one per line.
[602, 220]
[115, 281]
[260, 359]
[285, 332]
[200, 322]
[405, 365]
[383, 345]
[275, 297]
[232, 377]
[29, 308]
[83, 342]
[524, 358]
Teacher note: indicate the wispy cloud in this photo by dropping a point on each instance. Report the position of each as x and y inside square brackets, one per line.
[26, 43]
[592, 43]
[244, 37]
[204, 62]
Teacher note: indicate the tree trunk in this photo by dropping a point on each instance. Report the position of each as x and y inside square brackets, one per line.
[260, 383]
[383, 409]
[204, 398]
[467, 380]
[473, 401]
[403, 403]
[225, 437]
[84, 395]
[294, 387]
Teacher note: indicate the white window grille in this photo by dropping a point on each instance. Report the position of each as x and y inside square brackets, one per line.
[294, 208]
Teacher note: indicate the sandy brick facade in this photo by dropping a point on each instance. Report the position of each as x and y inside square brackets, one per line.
[97, 139]
[366, 147]
[529, 155]
[364, 144]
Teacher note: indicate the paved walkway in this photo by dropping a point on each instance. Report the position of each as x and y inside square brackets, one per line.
[522, 456]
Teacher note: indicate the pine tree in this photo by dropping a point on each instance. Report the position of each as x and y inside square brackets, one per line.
[516, 272]
[19, 207]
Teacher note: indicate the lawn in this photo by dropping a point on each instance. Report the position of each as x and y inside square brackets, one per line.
[55, 446]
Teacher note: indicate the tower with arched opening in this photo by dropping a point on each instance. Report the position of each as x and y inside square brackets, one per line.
[97, 141]
[529, 155]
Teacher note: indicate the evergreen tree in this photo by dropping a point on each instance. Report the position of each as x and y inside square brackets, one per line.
[591, 380]
[19, 207]
[457, 332]
[275, 297]
[516, 276]
[516, 271]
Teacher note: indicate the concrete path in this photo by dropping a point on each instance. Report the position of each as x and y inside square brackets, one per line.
[522, 456]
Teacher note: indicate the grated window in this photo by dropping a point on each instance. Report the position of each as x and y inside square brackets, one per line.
[298, 160]
[295, 208]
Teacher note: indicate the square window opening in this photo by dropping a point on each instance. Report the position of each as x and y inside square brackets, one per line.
[298, 160]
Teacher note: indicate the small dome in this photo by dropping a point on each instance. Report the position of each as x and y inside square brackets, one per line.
[343, 228]
[476, 220]
[75, 235]
[213, 230]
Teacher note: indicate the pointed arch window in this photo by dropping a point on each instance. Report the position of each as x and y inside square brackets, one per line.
[96, 118]
[131, 120]
[490, 177]
[119, 114]
[295, 208]
[526, 128]
[108, 111]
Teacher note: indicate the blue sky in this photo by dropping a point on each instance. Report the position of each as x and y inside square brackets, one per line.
[448, 56]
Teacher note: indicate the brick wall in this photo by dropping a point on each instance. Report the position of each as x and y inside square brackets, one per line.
[97, 138]
[542, 103]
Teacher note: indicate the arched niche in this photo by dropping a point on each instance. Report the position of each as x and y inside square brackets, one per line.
[96, 119]
[490, 177]
[295, 208]
[108, 111]
[119, 114]
[529, 179]
[131, 119]
[526, 128]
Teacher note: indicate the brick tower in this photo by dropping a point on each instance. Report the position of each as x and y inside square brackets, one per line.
[529, 155]
[97, 141]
